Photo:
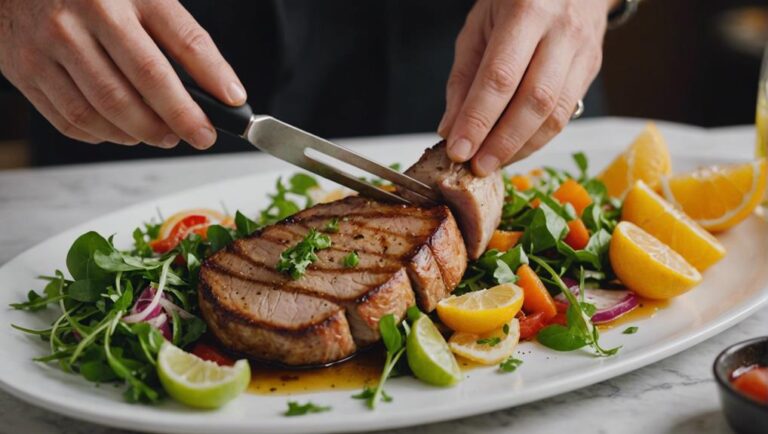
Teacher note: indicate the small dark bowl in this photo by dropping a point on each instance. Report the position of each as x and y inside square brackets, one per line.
[744, 414]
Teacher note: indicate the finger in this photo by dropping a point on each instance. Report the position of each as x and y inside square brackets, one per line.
[46, 108]
[62, 92]
[470, 45]
[583, 71]
[169, 23]
[532, 104]
[504, 62]
[145, 66]
[108, 91]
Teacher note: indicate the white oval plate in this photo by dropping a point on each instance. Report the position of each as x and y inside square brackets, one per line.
[732, 290]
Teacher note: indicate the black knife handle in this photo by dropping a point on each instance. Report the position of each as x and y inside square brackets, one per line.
[233, 120]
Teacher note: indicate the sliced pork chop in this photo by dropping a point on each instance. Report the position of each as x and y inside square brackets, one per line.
[407, 255]
[476, 202]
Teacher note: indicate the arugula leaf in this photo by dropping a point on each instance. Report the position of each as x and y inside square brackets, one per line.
[393, 336]
[579, 331]
[581, 162]
[510, 364]
[80, 258]
[296, 409]
[295, 260]
[51, 293]
[368, 393]
[492, 268]
[561, 338]
[301, 183]
[218, 237]
[390, 334]
[243, 225]
[544, 229]
[630, 330]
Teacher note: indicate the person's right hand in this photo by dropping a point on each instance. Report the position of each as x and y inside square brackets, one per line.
[95, 69]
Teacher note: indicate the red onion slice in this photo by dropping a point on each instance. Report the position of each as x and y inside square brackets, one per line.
[147, 306]
[610, 304]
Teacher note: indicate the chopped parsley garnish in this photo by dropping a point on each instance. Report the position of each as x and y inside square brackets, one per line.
[369, 392]
[630, 330]
[295, 260]
[491, 342]
[510, 364]
[505, 329]
[332, 226]
[351, 260]
[296, 409]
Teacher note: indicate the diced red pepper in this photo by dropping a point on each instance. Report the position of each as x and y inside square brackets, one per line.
[531, 324]
[193, 223]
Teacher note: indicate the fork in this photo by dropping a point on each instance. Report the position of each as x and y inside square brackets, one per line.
[293, 145]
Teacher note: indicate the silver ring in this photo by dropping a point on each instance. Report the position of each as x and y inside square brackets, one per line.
[579, 110]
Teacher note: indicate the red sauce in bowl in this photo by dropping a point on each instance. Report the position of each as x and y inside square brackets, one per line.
[752, 381]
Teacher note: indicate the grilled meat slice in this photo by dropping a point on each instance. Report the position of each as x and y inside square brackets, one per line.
[476, 202]
[402, 249]
[267, 323]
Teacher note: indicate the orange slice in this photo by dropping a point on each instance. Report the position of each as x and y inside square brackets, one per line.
[718, 197]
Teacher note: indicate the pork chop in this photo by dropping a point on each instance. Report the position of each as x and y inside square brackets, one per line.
[407, 255]
[476, 202]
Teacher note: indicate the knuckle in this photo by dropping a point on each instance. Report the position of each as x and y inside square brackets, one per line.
[151, 72]
[501, 77]
[194, 39]
[79, 114]
[477, 122]
[559, 118]
[504, 145]
[59, 29]
[458, 79]
[181, 119]
[112, 99]
[573, 26]
[541, 99]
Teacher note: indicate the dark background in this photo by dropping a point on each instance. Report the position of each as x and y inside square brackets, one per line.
[683, 60]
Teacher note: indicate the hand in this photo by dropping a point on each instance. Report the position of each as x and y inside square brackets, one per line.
[520, 67]
[95, 70]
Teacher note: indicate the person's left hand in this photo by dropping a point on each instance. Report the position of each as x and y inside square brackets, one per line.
[520, 68]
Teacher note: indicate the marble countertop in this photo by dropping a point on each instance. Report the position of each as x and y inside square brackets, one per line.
[677, 395]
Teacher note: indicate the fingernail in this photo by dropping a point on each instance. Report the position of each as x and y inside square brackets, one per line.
[460, 149]
[236, 93]
[487, 164]
[204, 138]
[170, 140]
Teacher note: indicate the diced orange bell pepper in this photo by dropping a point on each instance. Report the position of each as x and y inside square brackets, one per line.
[572, 192]
[578, 235]
[521, 182]
[504, 240]
[536, 298]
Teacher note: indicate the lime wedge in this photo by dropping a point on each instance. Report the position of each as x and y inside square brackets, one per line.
[199, 383]
[429, 356]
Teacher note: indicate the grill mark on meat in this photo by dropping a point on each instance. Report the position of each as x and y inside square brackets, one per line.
[207, 292]
[403, 250]
[282, 281]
